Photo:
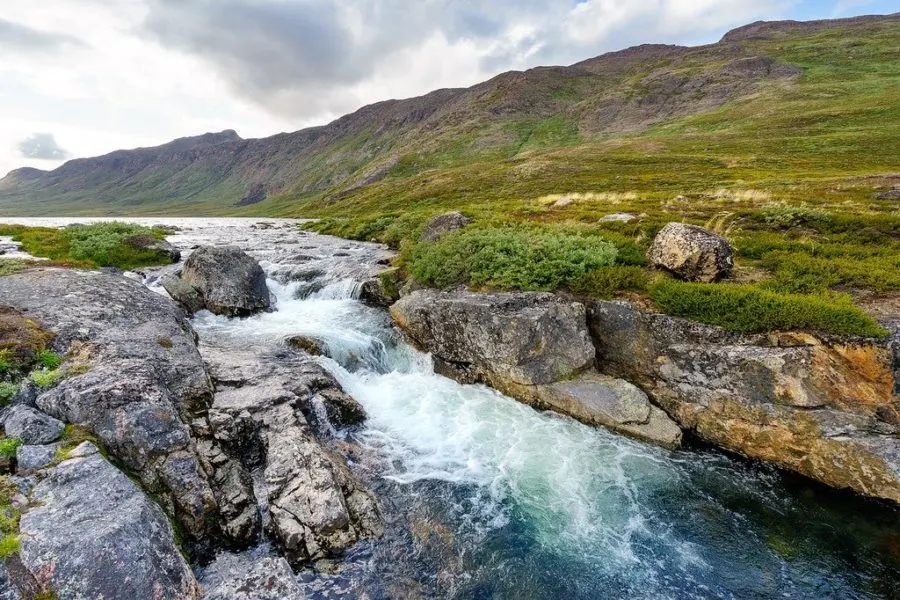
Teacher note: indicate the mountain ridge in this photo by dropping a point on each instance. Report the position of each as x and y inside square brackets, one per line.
[621, 93]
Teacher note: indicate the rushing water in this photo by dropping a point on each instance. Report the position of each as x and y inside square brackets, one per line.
[488, 498]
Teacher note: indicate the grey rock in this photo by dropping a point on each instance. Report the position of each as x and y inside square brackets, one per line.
[310, 345]
[183, 293]
[316, 506]
[147, 242]
[811, 405]
[32, 458]
[229, 280]
[242, 577]
[31, 426]
[617, 218]
[138, 395]
[888, 194]
[691, 253]
[92, 533]
[441, 225]
[526, 338]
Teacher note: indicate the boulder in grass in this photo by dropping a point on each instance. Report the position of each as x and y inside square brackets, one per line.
[441, 225]
[692, 253]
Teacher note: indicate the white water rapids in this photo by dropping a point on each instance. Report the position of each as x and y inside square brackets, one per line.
[488, 498]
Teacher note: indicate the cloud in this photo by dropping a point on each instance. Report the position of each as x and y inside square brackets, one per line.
[42, 146]
[305, 58]
[16, 36]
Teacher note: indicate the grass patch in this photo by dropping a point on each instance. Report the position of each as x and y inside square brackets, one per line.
[47, 379]
[108, 244]
[48, 359]
[749, 309]
[7, 392]
[9, 519]
[609, 282]
[507, 259]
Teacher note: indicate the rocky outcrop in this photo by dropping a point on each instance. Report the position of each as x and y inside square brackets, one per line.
[532, 346]
[818, 407]
[268, 410]
[136, 380]
[441, 225]
[148, 242]
[224, 280]
[691, 253]
[92, 533]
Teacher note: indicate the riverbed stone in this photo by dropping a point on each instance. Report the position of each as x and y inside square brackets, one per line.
[30, 425]
[244, 577]
[316, 506]
[809, 404]
[229, 280]
[691, 253]
[92, 533]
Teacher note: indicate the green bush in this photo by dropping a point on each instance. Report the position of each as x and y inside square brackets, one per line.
[8, 446]
[801, 273]
[747, 308]
[607, 282]
[507, 259]
[785, 216]
[7, 391]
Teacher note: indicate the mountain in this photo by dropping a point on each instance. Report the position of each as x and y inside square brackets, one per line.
[650, 112]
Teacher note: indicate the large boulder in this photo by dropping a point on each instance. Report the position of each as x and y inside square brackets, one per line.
[269, 410]
[135, 379]
[92, 533]
[534, 347]
[820, 407]
[692, 253]
[228, 280]
[441, 225]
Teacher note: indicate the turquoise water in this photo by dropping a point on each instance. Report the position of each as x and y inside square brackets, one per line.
[488, 498]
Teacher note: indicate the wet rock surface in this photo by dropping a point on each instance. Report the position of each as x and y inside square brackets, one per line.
[807, 404]
[692, 253]
[227, 281]
[267, 410]
[244, 577]
[534, 347]
[92, 533]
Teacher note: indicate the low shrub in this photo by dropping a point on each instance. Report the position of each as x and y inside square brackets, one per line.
[748, 308]
[607, 282]
[48, 359]
[507, 259]
[802, 273]
[786, 216]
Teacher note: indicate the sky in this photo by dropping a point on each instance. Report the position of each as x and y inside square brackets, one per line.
[85, 77]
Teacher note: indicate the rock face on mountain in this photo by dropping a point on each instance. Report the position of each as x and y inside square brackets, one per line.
[92, 533]
[224, 280]
[692, 253]
[534, 347]
[822, 408]
[265, 411]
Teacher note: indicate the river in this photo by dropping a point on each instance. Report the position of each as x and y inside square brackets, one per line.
[488, 498]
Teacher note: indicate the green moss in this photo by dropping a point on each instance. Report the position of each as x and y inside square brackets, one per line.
[7, 391]
[8, 446]
[49, 360]
[747, 308]
[9, 545]
[46, 379]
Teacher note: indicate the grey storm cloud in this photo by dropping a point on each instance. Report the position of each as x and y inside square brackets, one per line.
[42, 146]
[15, 36]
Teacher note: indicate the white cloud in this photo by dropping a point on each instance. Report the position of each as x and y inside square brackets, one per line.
[125, 73]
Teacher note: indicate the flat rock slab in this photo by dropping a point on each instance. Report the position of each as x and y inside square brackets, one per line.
[94, 534]
[241, 577]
